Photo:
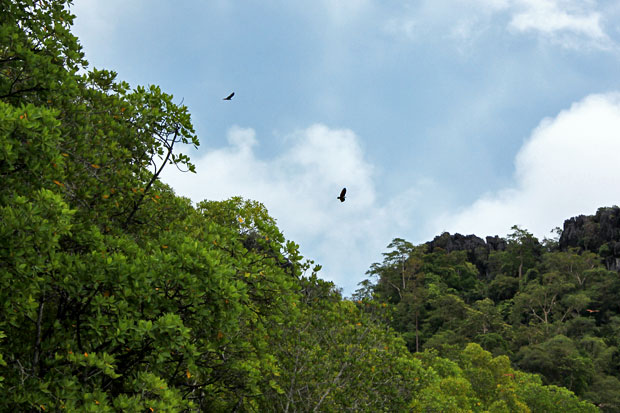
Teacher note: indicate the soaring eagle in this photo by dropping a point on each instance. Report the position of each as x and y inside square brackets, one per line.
[342, 193]
[229, 96]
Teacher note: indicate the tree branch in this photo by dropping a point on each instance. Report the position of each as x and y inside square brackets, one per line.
[152, 181]
[37, 346]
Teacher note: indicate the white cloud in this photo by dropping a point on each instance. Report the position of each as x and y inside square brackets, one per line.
[569, 166]
[566, 21]
[569, 23]
[299, 187]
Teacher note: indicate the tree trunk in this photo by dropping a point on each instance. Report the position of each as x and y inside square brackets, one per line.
[417, 342]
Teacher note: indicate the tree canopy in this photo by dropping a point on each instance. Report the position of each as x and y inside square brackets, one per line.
[552, 312]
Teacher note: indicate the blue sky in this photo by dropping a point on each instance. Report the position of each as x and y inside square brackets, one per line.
[465, 116]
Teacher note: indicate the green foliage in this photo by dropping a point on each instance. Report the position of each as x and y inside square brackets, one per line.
[115, 293]
[118, 295]
[336, 358]
[559, 361]
[551, 312]
[476, 381]
[548, 398]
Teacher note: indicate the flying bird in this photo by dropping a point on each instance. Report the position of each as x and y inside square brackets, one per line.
[229, 96]
[342, 193]
[592, 311]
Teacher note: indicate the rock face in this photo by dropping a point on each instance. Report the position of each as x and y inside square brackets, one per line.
[477, 249]
[496, 243]
[598, 233]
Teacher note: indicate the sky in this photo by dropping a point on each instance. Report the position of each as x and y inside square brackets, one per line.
[466, 116]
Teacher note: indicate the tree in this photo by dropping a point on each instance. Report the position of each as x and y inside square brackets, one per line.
[402, 282]
[552, 398]
[604, 392]
[539, 301]
[559, 361]
[115, 292]
[476, 381]
[572, 264]
[335, 357]
[523, 250]
[485, 325]
[503, 287]
[396, 270]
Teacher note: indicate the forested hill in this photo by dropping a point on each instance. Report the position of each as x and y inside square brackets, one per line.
[552, 307]
[116, 295]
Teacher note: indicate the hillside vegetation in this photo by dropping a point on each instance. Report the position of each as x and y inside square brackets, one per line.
[118, 295]
[551, 307]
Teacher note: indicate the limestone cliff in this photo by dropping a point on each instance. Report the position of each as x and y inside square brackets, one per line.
[477, 249]
[598, 233]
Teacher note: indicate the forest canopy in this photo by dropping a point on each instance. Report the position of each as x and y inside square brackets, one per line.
[118, 295]
[550, 306]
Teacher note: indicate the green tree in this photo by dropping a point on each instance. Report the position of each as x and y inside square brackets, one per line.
[335, 357]
[540, 301]
[572, 264]
[476, 381]
[116, 293]
[522, 252]
[551, 398]
[503, 287]
[485, 325]
[492, 379]
[604, 392]
[559, 361]
[401, 281]
[396, 271]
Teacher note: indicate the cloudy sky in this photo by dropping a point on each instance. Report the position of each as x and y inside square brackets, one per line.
[464, 116]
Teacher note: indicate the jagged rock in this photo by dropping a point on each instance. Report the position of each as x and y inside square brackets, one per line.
[496, 243]
[599, 233]
[477, 249]
[456, 242]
